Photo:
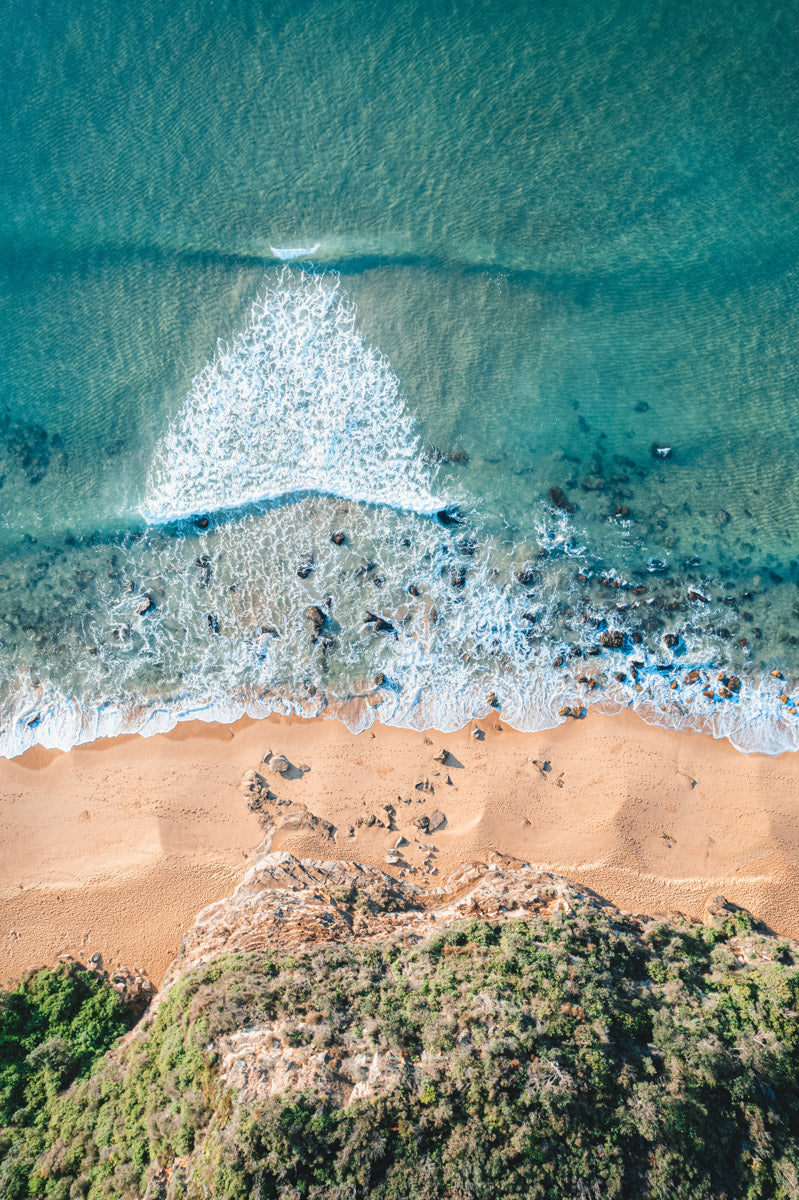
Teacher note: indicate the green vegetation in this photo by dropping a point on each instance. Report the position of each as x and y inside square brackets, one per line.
[571, 1057]
[53, 1026]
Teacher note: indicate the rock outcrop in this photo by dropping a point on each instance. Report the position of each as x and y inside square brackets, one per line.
[286, 901]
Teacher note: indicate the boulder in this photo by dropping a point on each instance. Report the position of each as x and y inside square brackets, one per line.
[612, 639]
[559, 499]
[279, 764]
[316, 616]
[436, 821]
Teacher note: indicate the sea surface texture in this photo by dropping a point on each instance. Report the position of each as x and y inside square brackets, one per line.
[502, 295]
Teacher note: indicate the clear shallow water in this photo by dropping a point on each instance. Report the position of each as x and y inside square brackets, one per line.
[542, 241]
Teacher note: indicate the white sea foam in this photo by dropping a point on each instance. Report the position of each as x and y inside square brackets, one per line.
[289, 253]
[297, 403]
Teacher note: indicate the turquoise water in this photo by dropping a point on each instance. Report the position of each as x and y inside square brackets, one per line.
[274, 272]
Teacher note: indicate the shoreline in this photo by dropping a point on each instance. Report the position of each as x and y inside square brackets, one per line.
[114, 846]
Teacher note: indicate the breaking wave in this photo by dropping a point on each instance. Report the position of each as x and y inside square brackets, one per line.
[296, 403]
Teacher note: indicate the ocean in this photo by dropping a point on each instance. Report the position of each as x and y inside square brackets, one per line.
[398, 362]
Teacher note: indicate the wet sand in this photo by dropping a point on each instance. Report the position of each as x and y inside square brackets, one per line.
[113, 847]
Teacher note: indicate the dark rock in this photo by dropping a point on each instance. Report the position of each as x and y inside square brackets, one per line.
[592, 483]
[315, 615]
[612, 639]
[213, 622]
[527, 577]
[383, 626]
[670, 640]
[144, 605]
[621, 511]
[449, 517]
[657, 566]
[413, 590]
[698, 597]
[203, 523]
[620, 677]
[458, 579]
[305, 569]
[559, 499]
[338, 539]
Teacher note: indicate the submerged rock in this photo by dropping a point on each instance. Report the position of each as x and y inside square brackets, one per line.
[559, 499]
[449, 517]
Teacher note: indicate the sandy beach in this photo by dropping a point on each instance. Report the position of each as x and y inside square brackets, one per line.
[113, 847]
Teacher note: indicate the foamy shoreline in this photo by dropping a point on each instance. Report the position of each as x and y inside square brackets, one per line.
[114, 846]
